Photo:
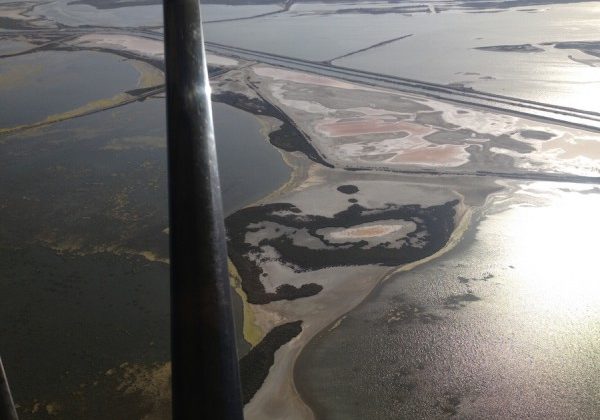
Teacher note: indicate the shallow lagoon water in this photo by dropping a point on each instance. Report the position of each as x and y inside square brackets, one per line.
[11, 47]
[84, 197]
[88, 207]
[504, 326]
[37, 85]
[249, 166]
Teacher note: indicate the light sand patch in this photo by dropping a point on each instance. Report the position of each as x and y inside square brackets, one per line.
[372, 110]
[150, 256]
[305, 78]
[322, 197]
[218, 60]
[366, 231]
[149, 75]
[390, 233]
[136, 44]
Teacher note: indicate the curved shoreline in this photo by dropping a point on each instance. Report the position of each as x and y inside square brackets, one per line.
[303, 171]
[458, 233]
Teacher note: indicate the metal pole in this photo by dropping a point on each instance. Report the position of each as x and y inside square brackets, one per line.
[205, 367]
[7, 406]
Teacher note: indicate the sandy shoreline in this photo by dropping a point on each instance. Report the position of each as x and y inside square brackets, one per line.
[345, 288]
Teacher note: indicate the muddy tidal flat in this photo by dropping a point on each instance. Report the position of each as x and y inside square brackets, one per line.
[391, 254]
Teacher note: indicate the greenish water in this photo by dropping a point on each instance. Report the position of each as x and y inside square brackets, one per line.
[34, 86]
[84, 198]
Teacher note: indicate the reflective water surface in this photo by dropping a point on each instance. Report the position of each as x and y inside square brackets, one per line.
[504, 326]
[441, 47]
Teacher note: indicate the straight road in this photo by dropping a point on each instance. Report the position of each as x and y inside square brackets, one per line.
[587, 120]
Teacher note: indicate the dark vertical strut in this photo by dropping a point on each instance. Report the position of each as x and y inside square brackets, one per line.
[205, 368]
[7, 406]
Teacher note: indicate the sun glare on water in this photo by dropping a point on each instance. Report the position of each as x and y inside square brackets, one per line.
[555, 250]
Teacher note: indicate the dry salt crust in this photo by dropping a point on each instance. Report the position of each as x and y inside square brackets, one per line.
[136, 44]
[146, 47]
[351, 126]
[221, 61]
[570, 150]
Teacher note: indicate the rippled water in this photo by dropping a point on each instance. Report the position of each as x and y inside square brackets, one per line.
[505, 326]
